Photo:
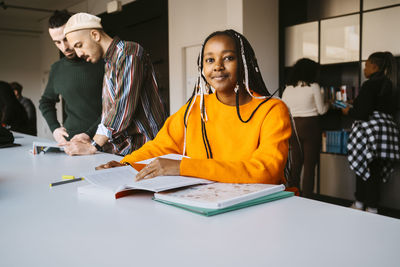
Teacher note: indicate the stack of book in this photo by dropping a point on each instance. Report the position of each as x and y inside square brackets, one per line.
[335, 142]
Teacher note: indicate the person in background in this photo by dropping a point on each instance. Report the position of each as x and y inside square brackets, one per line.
[12, 114]
[6, 137]
[132, 109]
[28, 105]
[306, 102]
[231, 129]
[373, 143]
[78, 83]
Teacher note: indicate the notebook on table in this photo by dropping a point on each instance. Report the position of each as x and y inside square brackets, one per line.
[216, 198]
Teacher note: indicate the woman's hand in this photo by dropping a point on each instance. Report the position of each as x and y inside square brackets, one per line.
[110, 164]
[159, 167]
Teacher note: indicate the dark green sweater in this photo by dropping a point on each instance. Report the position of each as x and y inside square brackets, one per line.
[80, 85]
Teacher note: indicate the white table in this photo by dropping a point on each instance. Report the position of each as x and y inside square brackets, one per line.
[43, 226]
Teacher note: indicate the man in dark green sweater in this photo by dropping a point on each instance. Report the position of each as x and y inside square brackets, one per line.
[78, 82]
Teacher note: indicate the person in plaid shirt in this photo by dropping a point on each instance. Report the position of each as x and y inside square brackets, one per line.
[374, 140]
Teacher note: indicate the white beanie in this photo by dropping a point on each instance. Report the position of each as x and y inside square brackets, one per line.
[82, 21]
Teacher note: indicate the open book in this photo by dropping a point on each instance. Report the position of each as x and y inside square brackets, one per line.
[120, 182]
[44, 147]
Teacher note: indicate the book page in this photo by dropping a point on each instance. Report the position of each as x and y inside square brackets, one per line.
[162, 183]
[113, 178]
[168, 156]
[120, 178]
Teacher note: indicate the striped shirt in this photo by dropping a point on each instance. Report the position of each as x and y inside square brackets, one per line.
[132, 109]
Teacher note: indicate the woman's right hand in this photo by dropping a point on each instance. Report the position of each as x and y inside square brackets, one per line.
[110, 164]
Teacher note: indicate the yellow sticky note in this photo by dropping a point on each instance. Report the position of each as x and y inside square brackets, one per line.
[68, 177]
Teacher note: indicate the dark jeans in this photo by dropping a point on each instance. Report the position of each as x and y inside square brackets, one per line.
[368, 191]
[309, 136]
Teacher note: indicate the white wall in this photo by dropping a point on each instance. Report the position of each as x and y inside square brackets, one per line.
[191, 21]
[20, 57]
[261, 28]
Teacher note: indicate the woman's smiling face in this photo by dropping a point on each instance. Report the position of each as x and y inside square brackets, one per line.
[220, 63]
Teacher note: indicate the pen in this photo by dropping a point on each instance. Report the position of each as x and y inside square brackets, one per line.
[67, 181]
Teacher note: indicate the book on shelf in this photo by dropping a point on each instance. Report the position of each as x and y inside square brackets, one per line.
[343, 94]
[335, 142]
[45, 147]
[216, 198]
[341, 104]
[120, 181]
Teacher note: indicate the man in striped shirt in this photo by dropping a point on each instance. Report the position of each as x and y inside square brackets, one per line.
[132, 109]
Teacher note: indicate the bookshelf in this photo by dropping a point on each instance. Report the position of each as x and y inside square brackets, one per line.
[347, 32]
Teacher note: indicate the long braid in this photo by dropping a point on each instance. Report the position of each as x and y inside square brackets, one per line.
[249, 75]
[199, 89]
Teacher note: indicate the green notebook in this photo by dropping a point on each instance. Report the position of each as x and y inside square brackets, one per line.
[211, 212]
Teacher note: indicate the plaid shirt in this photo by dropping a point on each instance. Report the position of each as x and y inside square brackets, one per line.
[132, 109]
[376, 138]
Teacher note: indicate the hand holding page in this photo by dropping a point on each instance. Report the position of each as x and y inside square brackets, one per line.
[168, 156]
[121, 180]
[113, 179]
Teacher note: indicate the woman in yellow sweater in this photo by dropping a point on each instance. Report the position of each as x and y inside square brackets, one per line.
[231, 129]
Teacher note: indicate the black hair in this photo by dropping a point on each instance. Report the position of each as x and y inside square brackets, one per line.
[305, 71]
[59, 18]
[249, 65]
[386, 64]
[16, 86]
[12, 113]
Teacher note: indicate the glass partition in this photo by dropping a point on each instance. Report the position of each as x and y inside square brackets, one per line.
[301, 41]
[381, 31]
[371, 4]
[340, 39]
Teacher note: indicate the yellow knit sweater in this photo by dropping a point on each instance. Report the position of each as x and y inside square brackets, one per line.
[253, 152]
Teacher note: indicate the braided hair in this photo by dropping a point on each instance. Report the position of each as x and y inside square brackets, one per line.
[249, 79]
